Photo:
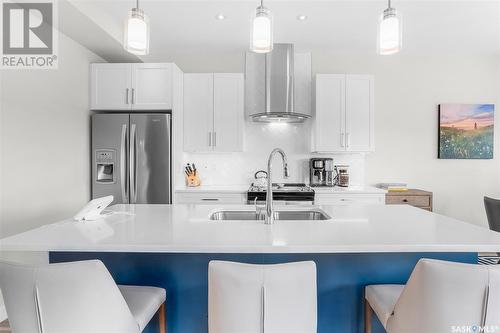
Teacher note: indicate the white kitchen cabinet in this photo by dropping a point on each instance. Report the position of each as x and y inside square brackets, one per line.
[211, 198]
[110, 86]
[151, 87]
[198, 112]
[228, 112]
[329, 120]
[344, 118]
[131, 86]
[213, 112]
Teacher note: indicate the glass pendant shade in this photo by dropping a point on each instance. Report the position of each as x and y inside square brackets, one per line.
[136, 38]
[262, 31]
[390, 32]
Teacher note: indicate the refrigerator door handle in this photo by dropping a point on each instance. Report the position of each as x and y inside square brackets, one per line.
[133, 164]
[123, 164]
[126, 96]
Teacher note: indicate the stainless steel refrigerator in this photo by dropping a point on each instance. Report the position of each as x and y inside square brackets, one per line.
[131, 157]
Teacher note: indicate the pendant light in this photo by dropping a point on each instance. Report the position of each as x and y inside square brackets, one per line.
[261, 40]
[136, 37]
[390, 32]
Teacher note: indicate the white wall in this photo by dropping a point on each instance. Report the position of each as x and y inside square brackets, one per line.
[45, 137]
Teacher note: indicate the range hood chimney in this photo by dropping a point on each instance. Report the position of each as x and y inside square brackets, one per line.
[279, 87]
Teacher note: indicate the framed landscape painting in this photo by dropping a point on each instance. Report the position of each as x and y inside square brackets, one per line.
[466, 131]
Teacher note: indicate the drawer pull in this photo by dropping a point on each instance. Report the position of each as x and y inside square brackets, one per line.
[210, 199]
[405, 200]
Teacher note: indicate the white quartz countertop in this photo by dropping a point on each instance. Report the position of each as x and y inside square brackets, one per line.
[187, 228]
[244, 188]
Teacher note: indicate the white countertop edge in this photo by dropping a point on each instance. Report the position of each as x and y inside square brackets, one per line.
[358, 249]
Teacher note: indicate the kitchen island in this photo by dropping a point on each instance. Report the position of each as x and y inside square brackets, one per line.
[170, 246]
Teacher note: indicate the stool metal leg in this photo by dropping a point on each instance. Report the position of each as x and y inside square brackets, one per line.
[368, 317]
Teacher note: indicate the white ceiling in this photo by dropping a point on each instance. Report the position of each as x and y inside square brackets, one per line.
[429, 27]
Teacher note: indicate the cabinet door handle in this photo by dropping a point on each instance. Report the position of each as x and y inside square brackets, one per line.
[133, 96]
[209, 199]
[126, 96]
[210, 139]
[348, 137]
[405, 200]
[215, 139]
[342, 139]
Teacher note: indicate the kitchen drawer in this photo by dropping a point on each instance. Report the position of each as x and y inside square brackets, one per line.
[413, 197]
[413, 200]
[211, 198]
[348, 199]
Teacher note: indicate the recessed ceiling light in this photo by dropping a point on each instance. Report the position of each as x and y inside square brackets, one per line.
[220, 17]
[301, 17]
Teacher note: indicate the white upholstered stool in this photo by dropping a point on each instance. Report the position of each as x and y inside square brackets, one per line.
[439, 295]
[262, 298]
[76, 297]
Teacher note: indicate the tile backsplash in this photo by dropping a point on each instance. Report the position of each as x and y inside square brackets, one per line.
[259, 140]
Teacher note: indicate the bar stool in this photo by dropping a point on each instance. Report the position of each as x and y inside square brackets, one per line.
[439, 295]
[76, 297]
[262, 298]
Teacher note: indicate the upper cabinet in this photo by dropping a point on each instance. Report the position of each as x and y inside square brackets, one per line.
[152, 86]
[213, 112]
[131, 86]
[344, 118]
[110, 86]
[198, 111]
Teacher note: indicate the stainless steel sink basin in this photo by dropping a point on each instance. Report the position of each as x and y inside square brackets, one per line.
[309, 215]
[236, 215]
[283, 215]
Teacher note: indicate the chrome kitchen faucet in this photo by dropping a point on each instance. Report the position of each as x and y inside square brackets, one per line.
[269, 194]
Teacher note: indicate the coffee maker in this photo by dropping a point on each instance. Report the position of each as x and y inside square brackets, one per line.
[321, 172]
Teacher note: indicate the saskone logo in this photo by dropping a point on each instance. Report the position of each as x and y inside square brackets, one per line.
[29, 34]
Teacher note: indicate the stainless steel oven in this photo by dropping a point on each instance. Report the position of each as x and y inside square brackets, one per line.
[287, 194]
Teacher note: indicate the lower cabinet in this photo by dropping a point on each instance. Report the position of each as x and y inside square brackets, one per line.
[208, 198]
[413, 197]
[348, 199]
[215, 198]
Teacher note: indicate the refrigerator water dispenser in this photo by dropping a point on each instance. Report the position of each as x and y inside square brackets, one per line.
[105, 162]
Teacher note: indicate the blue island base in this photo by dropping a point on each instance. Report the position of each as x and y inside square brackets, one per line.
[341, 279]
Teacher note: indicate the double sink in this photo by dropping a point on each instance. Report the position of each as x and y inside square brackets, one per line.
[279, 215]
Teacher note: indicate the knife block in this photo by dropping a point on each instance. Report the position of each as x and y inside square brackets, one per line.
[193, 180]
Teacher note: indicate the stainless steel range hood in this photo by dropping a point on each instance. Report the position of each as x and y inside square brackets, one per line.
[279, 86]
